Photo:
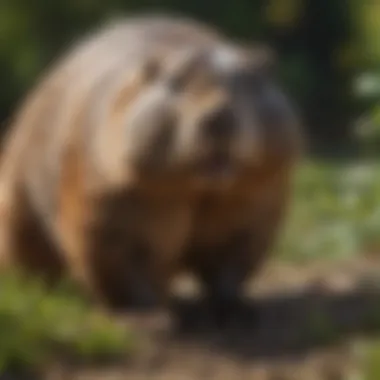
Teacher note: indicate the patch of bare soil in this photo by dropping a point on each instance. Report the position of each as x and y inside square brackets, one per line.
[311, 320]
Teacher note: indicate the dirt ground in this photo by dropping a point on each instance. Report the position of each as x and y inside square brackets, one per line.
[311, 322]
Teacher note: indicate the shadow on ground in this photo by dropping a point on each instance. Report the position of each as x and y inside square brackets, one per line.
[300, 335]
[289, 325]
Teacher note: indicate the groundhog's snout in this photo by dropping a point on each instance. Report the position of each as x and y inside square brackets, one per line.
[219, 125]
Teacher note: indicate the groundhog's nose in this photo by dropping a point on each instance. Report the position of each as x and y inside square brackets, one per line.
[219, 125]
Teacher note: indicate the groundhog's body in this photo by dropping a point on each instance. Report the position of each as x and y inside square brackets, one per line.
[108, 170]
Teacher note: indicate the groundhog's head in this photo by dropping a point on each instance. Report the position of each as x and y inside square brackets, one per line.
[208, 114]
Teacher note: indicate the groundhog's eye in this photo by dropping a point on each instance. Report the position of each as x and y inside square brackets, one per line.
[177, 83]
[149, 70]
[189, 70]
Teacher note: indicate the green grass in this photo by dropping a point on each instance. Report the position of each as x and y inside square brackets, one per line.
[371, 355]
[38, 327]
[335, 214]
[335, 211]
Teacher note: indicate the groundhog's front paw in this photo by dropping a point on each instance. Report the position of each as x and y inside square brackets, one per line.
[121, 298]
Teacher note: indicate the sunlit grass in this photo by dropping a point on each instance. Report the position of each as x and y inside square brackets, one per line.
[335, 211]
[38, 327]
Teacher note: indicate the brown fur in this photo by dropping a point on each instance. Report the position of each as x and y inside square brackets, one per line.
[124, 214]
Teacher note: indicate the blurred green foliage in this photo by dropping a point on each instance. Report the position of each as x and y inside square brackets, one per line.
[38, 327]
[323, 46]
[335, 211]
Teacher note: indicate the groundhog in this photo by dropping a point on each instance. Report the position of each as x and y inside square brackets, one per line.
[154, 145]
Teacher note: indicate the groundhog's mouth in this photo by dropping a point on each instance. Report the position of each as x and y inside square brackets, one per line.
[216, 166]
